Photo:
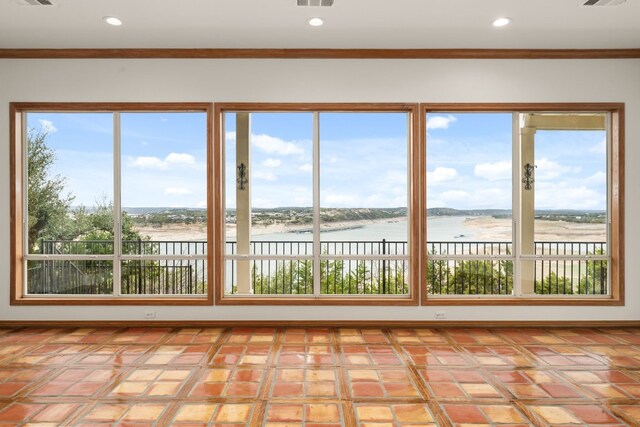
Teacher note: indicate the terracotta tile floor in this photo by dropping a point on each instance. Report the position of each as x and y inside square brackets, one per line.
[320, 377]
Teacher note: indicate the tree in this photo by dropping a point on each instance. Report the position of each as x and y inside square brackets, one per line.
[48, 205]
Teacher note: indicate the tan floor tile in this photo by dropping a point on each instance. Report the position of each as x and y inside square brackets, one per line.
[412, 413]
[503, 414]
[144, 412]
[230, 413]
[106, 412]
[374, 413]
[320, 375]
[322, 413]
[174, 375]
[196, 412]
[217, 375]
[144, 374]
[130, 387]
[555, 415]
[165, 389]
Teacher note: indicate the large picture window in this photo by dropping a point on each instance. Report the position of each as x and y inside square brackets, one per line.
[316, 203]
[114, 202]
[523, 204]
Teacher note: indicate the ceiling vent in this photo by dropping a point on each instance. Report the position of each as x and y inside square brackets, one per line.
[34, 2]
[601, 2]
[315, 2]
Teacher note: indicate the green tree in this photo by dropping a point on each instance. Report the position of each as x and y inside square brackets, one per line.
[48, 205]
[554, 285]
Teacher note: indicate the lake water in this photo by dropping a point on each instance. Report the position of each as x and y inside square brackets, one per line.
[446, 228]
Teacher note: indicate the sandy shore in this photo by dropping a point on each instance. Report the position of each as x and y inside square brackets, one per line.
[489, 228]
[186, 232]
[485, 228]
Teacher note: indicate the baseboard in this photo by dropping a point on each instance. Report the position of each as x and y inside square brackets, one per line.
[319, 324]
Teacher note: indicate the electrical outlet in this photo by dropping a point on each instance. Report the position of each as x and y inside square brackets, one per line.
[149, 314]
[441, 315]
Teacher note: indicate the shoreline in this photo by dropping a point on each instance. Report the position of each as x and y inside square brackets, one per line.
[483, 228]
[185, 232]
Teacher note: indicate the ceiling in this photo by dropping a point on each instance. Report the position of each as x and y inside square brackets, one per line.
[537, 24]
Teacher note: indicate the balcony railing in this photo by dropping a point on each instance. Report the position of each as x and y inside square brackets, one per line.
[338, 276]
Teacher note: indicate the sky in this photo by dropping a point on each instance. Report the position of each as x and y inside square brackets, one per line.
[163, 156]
[363, 160]
[469, 164]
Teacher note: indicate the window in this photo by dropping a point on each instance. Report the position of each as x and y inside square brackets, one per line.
[114, 203]
[524, 203]
[316, 205]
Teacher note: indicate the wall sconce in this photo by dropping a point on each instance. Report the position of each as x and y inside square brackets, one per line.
[242, 176]
[528, 179]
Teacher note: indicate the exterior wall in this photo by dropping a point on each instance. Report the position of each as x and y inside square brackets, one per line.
[327, 80]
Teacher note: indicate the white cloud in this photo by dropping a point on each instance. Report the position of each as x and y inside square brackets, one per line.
[272, 163]
[177, 191]
[440, 122]
[180, 159]
[454, 196]
[599, 148]
[307, 167]
[565, 195]
[47, 126]
[597, 179]
[144, 162]
[548, 169]
[270, 144]
[173, 159]
[266, 176]
[441, 174]
[339, 200]
[493, 171]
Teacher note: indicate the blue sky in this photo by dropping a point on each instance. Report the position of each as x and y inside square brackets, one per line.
[469, 164]
[163, 156]
[363, 160]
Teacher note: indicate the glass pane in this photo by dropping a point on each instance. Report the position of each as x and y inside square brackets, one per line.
[570, 186]
[571, 277]
[364, 277]
[271, 277]
[363, 183]
[164, 183]
[70, 277]
[164, 277]
[270, 212]
[70, 183]
[469, 190]
[471, 277]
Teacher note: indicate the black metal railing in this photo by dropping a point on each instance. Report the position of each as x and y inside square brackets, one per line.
[338, 276]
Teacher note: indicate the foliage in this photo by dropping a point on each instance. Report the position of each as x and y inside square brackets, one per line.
[48, 205]
[296, 277]
[473, 277]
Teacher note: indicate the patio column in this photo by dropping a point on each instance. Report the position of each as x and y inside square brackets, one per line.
[243, 200]
[527, 205]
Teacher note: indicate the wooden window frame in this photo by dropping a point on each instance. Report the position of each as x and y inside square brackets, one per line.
[616, 189]
[16, 170]
[412, 211]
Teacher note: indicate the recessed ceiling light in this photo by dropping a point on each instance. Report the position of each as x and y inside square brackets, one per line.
[112, 20]
[316, 22]
[501, 22]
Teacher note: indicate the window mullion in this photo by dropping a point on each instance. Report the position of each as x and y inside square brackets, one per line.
[316, 203]
[117, 208]
[24, 156]
[515, 203]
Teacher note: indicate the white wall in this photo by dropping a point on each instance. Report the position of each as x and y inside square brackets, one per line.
[327, 81]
